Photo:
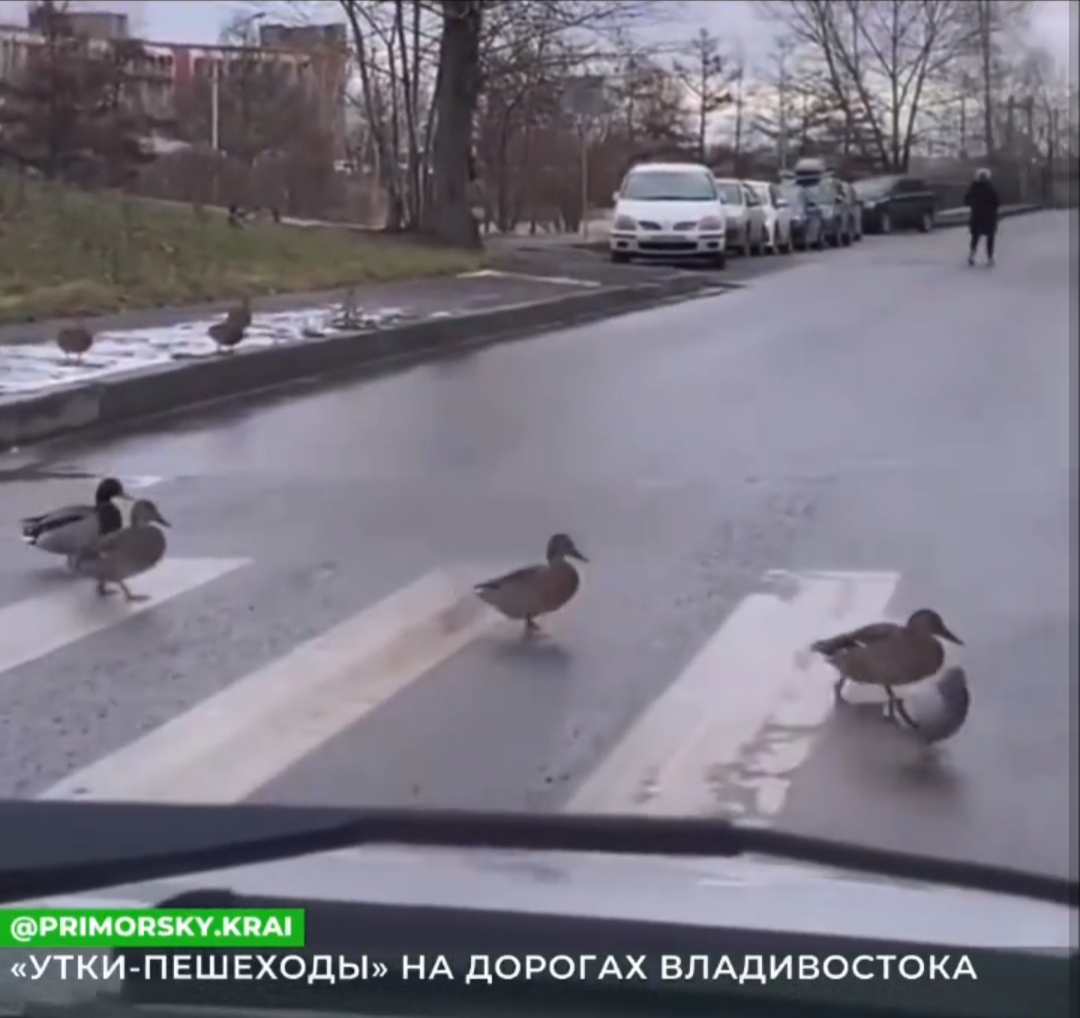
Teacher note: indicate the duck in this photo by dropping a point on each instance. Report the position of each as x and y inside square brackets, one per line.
[527, 593]
[228, 333]
[127, 552]
[74, 341]
[69, 530]
[888, 654]
[939, 711]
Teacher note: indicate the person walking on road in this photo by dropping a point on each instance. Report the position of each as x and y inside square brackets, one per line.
[982, 199]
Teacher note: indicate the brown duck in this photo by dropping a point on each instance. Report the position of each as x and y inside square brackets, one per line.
[525, 594]
[230, 332]
[887, 654]
[127, 552]
[74, 341]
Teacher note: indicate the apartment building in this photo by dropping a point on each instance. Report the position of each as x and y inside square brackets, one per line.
[314, 57]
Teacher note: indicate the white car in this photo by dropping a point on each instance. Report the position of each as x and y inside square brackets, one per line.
[745, 216]
[668, 210]
[777, 217]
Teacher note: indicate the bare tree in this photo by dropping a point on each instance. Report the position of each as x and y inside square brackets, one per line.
[776, 108]
[707, 78]
[878, 58]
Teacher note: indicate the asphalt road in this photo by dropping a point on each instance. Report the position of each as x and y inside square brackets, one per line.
[884, 419]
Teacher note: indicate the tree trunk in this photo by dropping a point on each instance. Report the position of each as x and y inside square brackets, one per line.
[450, 217]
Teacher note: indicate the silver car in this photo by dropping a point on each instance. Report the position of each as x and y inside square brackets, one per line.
[777, 213]
[745, 216]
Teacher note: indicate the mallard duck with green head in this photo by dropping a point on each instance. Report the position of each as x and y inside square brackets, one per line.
[526, 594]
[71, 529]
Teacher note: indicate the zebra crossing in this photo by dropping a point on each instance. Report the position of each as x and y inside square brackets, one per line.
[728, 733]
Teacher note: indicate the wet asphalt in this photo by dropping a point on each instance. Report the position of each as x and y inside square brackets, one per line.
[883, 407]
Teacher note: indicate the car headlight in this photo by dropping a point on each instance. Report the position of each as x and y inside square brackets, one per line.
[625, 223]
[711, 223]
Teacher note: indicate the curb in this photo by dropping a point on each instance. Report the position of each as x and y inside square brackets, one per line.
[959, 217]
[165, 389]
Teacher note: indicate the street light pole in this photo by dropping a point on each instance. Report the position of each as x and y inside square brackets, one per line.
[584, 179]
[215, 104]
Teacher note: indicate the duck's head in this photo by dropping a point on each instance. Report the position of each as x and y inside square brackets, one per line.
[561, 546]
[109, 489]
[144, 512]
[928, 621]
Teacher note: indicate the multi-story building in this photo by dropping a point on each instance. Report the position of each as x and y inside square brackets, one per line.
[313, 57]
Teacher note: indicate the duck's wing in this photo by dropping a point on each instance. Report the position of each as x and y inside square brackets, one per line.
[516, 594]
[524, 577]
[34, 526]
[864, 636]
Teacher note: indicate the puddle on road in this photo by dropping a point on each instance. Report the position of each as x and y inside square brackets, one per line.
[37, 367]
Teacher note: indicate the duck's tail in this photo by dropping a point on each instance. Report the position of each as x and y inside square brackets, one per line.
[29, 528]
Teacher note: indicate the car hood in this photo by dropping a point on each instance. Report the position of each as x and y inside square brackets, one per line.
[666, 211]
[748, 892]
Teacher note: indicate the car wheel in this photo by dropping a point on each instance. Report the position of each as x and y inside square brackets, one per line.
[926, 224]
[620, 257]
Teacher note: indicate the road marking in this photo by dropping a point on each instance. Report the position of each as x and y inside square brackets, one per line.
[231, 744]
[555, 280]
[39, 625]
[728, 735]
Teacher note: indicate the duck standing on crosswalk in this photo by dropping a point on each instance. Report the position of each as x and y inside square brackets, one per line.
[130, 551]
[525, 594]
[888, 654]
[71, 529]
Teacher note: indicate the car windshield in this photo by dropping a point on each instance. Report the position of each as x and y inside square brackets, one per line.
[822, 194]
[792, 194]
[874, 188]
[730, 193]
[669, 185]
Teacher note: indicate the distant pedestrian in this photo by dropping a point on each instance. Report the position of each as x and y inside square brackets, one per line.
[982, 199]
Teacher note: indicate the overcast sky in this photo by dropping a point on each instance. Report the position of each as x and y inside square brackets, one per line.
[199, 21]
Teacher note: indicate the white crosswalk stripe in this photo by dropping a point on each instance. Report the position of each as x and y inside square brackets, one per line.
[727, 736]
[231, 744]
[33, 628]
[742, 716]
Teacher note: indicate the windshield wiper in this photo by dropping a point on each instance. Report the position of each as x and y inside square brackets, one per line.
[73, 847]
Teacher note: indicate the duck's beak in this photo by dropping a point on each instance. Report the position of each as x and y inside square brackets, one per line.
[164, 522]
[947, 634]
[574, 553]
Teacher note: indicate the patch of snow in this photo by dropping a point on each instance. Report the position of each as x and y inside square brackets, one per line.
[38, 367]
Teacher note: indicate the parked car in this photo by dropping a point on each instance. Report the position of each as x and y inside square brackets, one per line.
[854, 209]
[745, 217]
[777, 216]
[827, 197]
[896, 203]
[806, 224]
[668, 210]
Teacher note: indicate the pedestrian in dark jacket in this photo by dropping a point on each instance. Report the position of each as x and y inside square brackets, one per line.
[982, 199]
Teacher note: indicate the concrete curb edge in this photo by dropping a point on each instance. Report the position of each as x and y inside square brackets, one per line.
[168, 389]
[959, 217]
